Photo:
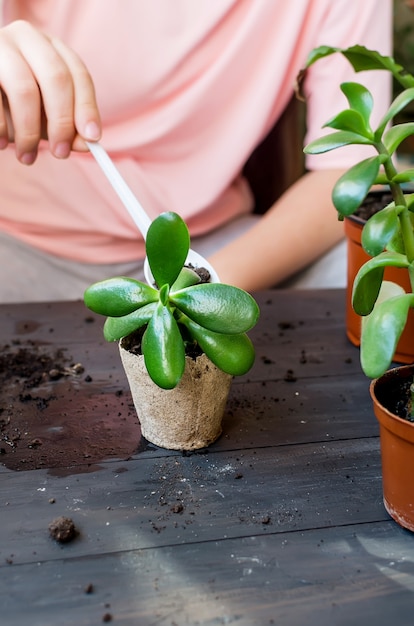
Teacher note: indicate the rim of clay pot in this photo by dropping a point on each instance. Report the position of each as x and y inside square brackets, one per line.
[356, 219]
[387, 418]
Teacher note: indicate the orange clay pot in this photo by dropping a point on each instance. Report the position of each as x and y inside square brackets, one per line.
[397, 445]
[356, 258]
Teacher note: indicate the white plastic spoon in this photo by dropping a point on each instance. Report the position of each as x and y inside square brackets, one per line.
[137, 212]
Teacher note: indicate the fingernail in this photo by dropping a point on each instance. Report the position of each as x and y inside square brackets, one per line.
[92, 131]
[62, 150]
[28, 158]
[4, 142]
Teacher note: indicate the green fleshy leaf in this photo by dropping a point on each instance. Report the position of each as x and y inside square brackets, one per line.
[367, 283]
[396, 244]
[400, 102]
[360, 99]
[351, 121]
[362, 59]
[118, 296]
[334, 141]
[167, 245]
[320, 53]
[381, 332]
[380, 229]
[117, 327]
[409, 198]
[407, 176]
[395, 135]
[233, 354]
[218, 307]
[353, 186]
[186, 278]
[163, 349]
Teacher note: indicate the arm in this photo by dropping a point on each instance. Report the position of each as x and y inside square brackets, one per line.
[296, 230]
[46, 92]
[302, 225]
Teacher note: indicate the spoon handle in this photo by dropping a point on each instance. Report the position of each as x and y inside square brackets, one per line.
[128, 199]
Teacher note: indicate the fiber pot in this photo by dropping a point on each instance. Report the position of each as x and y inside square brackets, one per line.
[357, 256]
[187, 417]
[389, 394]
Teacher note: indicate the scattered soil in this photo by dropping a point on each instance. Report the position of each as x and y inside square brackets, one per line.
[53, 415]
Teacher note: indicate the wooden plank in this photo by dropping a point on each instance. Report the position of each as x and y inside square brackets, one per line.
[310, 338]
[178, 499]
[71, 421]
[281, 521]
[304, 410]
[358, 574]
[90, 416]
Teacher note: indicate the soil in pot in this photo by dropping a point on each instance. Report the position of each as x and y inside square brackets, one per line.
[394, 393]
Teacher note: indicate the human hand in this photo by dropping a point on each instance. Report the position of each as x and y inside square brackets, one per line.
[47, 92]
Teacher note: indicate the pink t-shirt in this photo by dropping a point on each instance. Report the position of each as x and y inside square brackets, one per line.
[187, 89]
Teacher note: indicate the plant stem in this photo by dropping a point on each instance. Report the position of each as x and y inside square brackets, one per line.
[404, 216]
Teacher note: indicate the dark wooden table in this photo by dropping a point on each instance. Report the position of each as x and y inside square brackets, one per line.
[281, 521]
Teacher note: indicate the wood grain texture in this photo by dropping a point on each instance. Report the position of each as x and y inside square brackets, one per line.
[280, 521]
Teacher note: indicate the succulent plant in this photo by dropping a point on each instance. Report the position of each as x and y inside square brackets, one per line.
[388, 236]
[178, 311]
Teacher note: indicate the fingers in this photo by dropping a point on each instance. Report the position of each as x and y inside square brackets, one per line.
[20, 101]
[47, 92]
[85, 112]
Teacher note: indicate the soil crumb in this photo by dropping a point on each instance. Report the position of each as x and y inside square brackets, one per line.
[62, 529]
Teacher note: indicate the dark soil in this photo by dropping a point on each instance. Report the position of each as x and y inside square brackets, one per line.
[202, 272]
[374, 202]
[132, 343]
[395, 394]
[53, 415]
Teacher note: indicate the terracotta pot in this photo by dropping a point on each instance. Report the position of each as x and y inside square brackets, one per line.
[397, 445]
[187, 417]
[356, 258]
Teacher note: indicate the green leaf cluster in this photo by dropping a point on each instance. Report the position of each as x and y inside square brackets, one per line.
[388, 236]
[179, 310]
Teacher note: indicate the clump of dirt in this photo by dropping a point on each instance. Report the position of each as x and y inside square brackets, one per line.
[62, 529]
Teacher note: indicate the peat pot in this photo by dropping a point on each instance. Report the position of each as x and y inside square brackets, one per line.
[389, 394]
[356, 258]
[188, 417]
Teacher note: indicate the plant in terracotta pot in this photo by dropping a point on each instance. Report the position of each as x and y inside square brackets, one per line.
[388, 239]
[376, 200]
[181, 341]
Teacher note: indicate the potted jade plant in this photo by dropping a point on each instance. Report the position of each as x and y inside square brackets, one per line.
[388, 239]
[181, 340]
[376, 200]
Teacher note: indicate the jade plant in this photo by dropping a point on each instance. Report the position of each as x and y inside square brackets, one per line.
[179, 311]
[387, 236]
